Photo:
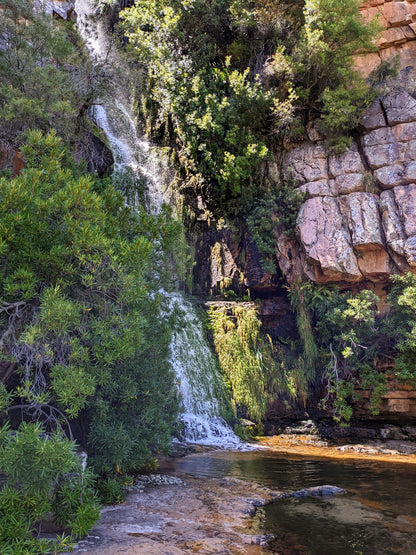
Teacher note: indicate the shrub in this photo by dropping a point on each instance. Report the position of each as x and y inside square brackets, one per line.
[82, 322]
[43, 478]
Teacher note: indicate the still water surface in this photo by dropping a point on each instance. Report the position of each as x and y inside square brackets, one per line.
[376, 517]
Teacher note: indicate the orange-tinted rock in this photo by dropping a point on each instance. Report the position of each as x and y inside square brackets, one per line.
[398, 19]
[398, 404]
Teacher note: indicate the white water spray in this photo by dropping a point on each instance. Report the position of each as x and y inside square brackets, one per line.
[191, 359]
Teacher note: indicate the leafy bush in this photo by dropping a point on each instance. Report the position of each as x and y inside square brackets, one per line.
[274, 213]
[351, 336]
[44, 479]
[402, 325]
[81, 318]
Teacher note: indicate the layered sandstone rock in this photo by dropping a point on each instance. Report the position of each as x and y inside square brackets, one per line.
[398, 19]
[358, 220]
[398, 404]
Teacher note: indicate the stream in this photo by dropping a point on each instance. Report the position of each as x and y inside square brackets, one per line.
[377, 516]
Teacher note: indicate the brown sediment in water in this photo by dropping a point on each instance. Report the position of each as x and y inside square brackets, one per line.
[311, 447]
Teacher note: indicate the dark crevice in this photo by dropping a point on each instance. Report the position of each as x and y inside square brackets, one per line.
[383, 109]
[365, 161]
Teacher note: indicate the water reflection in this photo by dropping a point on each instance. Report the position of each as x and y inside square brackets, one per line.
[376, 517]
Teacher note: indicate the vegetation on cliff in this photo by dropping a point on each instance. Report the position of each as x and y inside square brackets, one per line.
[230, 79]
[84, 331]
[47, 82]
[246, 358]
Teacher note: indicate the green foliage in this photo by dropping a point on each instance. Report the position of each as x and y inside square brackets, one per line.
[351, 336]
[216, 113]
[402, 325]
[44, 80]
[112, 490]
[43, 478]
[218, 130]
[246, 358]
[307, 361]
[82, 319]
[275, 212]
[318, 71]
[223, 78]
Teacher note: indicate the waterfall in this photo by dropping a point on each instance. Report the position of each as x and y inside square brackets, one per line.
[190, 357]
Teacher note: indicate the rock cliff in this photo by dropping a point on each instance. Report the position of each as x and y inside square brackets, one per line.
[358, 220]
[398, 20]
[358, 223]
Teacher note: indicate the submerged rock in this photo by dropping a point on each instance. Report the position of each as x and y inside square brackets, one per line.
[316, 491]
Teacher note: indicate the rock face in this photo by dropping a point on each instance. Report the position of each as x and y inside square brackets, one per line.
[398, 405]
[60, 8]
[358, 220]
[398, 19]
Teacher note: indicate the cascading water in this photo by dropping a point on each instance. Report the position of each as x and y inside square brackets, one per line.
[195, 369]
[191, 359]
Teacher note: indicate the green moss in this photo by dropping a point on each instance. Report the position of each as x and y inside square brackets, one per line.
[246, 357]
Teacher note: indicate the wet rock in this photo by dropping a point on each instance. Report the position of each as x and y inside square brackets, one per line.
[277, 318]
[317, 491]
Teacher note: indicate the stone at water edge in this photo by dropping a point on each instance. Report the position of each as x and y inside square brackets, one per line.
[316, 491]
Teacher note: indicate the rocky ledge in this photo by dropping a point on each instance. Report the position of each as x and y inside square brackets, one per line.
[171, 517]
[165, 515]
[310, 446]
